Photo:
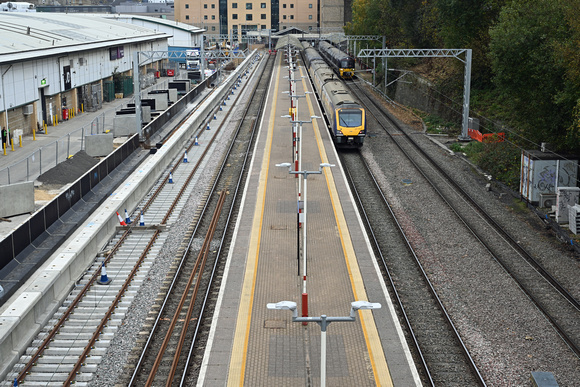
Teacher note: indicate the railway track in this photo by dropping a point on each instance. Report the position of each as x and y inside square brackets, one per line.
[553, 299]
[440, 354]
[73, 343]
[173, 349]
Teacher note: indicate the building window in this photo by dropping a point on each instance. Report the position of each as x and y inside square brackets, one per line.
[204, 17]
[248, 5]
[205, 6]
[186, 6]
[235, 16]
[213, 6]
[309, 5]
[292, 17]
[186, 17]
[284, 17]
[249, 17]
[309, 17]
[284, 27]
[213, 28]
[235, 5]
[212, 17]
[291, 5]
[263, 26]
[263, 16]
[263, 5]
[283, 5]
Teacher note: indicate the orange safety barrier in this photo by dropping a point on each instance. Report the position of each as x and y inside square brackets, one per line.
[489, 137]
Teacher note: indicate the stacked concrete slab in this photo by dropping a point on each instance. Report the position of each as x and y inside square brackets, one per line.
[99, 145]
[16, 199]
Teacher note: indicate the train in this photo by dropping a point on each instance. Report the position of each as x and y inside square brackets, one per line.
[341, 62]
[346, 117]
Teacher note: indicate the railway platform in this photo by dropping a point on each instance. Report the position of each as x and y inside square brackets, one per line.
[252, 345]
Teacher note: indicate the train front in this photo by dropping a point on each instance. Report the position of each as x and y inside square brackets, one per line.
[347, 68]
[350, 126]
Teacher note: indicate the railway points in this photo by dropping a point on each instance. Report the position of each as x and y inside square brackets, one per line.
[252, 345]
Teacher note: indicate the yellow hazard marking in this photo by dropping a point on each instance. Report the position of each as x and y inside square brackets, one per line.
[242, 333]
[373, 342]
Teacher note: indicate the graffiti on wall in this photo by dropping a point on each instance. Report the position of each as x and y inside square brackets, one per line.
[547, 179]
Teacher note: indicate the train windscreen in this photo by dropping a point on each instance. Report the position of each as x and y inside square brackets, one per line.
[347, 63]
[350, 117]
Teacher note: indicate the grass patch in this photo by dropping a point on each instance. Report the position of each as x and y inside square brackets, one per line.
[436, 124]
[519, 206]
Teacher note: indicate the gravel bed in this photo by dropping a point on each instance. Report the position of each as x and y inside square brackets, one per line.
[110, 371]
[508, 337]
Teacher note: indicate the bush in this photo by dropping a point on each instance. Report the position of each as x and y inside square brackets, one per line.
[502, 161]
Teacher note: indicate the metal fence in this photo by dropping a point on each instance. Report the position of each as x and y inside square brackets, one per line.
[49, 156]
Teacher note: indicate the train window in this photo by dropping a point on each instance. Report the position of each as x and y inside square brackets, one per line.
[350, 117]
[347, 63]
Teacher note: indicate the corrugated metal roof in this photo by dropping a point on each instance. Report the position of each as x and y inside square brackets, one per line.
[30, 35]
[156, 20]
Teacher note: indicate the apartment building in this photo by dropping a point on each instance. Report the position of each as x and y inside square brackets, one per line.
[240, 16]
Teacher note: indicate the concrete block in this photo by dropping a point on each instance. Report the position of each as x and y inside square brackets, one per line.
[173, 95]
[146, 114]
[99, 144]
[16, 199]
[161, 102]
[124, 125]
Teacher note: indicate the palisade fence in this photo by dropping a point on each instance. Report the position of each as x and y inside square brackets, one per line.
[49, 156]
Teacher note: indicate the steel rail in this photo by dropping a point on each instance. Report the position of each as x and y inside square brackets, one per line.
[172, 285]
[185, 326]
[575, 347]
[40, 350]
[73, 373]
[425, 277]
[195, 272]
[229, 217]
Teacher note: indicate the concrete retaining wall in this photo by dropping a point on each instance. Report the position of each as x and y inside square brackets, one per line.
[418, 93]
[16, 199]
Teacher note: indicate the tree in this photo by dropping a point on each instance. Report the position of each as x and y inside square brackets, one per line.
[528, 71]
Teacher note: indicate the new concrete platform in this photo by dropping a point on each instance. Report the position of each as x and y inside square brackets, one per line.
[254, 346]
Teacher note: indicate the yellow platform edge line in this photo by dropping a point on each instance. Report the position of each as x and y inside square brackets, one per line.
[238, 360]
[371, 334]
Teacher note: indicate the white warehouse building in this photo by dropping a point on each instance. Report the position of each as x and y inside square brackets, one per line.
[53, 62]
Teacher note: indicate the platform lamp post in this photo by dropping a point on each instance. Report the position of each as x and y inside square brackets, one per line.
[293, 113]
[304, 240]
[324, 321]
[298, 159]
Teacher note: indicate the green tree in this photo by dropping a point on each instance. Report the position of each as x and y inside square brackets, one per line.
[528, 72]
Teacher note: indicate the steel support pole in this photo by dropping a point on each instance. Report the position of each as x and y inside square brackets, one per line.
[323, 350]
[385, 62]
[137, 93]
[466, 93]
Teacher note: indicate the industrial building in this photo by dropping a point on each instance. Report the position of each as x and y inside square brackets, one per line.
[54, 64]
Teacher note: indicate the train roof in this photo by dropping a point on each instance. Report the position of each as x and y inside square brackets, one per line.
[332, 51]
[338, 93]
